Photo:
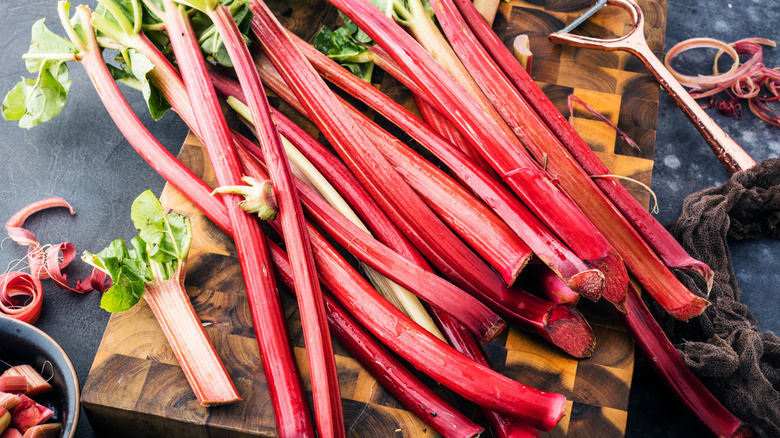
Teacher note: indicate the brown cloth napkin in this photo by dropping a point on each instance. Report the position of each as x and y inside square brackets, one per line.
[724, 346]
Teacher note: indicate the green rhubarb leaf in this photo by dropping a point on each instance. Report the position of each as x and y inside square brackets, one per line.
[209, 39]
[33, 101]
[163, 240]
[128, 271]
[168, 236]
[133, 71]
[342, 46]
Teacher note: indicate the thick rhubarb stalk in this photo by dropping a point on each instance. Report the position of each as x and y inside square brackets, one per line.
[669, 365]
[652, 231]
[213, 387]
[322, 365]
[481, 321]
[473, 221]
[173, 310]
[546, 246]
[545, 146]
[271, 332]
[386, 369]
[518, 170]
[404, 206]
[427, 353]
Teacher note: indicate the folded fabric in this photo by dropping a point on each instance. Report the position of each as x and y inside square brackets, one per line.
[724, 346]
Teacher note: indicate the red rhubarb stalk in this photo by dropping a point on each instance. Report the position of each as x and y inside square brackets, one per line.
[427, 353]
[386, 369]
[517, 169]
[502, 426]
[322, 365]
[546, 246]
[481, 321]
[473, 221]
[669, 365]
[403, 205]
[545, 147]
[284, 382]
[558, 324]
[652, 231]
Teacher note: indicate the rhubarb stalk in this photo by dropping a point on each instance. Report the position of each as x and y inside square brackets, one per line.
[154, 269]
[545, 147]
[546, 246]
[322, 365]
[652, 231]
[517, 169]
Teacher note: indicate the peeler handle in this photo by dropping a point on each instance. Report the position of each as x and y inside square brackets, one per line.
[729, 153]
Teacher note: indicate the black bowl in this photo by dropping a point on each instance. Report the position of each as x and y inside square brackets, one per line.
[22, 343]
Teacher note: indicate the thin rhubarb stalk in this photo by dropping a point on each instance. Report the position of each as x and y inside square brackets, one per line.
[502, 426]
[322, 365]
[652, 231]
[518, 170]
[308, 174]
[558, 324]
[418, 222]
[545, 147]
[427, 353]
[669, 365]
[481, 321]
[247, 233]
[386, 369]
[546, 246]
[473, 221]
[541, 279]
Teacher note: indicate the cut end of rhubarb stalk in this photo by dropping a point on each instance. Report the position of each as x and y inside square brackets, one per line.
[615, 279]
[743, 431]
[699, 268]
[589, 284]
[493, 331]
[569, 330]
[521, 48]
[693, 308]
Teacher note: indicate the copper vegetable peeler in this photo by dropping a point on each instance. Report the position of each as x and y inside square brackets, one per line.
[730, 154]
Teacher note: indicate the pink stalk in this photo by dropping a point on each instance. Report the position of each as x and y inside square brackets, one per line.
[669, 365]
[541, 279]
[322, 365]
[173, 310]
[209, 378]
[380, 363]
[426, 352]
[668, 249]
[473, 221]
[516, 168]
[481, 321]
[419, 223]
[545, 146]
[546, 246]
[502, 426]
[284, 382]
[558, 324]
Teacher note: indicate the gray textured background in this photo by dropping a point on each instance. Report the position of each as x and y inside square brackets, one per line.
[81, 156]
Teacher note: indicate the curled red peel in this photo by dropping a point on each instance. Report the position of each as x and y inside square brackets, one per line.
[20, 293]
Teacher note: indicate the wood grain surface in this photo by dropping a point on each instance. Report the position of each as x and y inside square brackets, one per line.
[135, 388]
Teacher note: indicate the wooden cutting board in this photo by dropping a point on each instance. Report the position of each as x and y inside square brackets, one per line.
[135, 387]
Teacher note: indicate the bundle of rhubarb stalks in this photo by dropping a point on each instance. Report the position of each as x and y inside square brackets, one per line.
[493, 212]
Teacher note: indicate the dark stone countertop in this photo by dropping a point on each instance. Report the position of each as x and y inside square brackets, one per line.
[81, 156]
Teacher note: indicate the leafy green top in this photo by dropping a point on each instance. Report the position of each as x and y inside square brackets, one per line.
[161, 247]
